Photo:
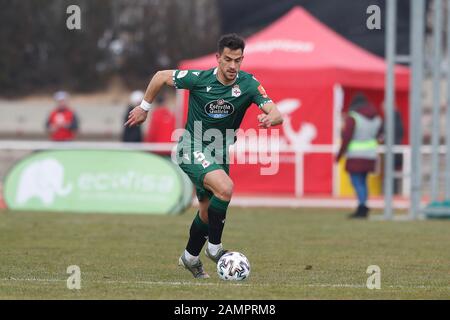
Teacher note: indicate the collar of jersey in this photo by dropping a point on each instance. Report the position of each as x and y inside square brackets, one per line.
[225, 85]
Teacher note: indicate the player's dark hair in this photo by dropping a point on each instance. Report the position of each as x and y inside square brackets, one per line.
[231, 41]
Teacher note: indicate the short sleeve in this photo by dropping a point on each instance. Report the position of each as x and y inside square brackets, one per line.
[185, 79]
[260, 96]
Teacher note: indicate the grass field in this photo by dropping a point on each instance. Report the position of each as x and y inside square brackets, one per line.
[294, 254]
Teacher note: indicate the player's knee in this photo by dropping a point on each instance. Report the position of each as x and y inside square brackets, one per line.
[225, 191]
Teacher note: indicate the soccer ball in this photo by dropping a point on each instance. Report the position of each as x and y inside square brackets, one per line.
[233, 266]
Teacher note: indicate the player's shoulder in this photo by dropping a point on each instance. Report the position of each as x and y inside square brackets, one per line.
[195, 72]
[246, 76]
[249, 79]
[193, 77]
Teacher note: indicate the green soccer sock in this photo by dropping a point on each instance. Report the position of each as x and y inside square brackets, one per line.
[217, 212]
[197, 236]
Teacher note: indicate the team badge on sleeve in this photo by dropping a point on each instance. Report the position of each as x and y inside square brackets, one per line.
[262, 91]
[182, 74]
[236, 91]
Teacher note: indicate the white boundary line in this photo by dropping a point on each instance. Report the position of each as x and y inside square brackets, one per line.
[163, 283]
[187, 283]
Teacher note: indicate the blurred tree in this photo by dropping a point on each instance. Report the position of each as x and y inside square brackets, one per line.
[129, 38]
[39, 52]
[158, 34]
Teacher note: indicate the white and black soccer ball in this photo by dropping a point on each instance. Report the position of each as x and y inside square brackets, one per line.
[233, 266]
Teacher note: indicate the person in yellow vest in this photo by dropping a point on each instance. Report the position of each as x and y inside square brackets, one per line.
[361, 133]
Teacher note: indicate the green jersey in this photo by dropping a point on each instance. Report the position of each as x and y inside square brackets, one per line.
[215, 112]
[216, 106]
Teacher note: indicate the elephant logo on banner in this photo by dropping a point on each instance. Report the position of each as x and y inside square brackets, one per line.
[302, 138]
[43, 179]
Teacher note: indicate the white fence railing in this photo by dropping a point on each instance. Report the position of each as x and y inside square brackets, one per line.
[297, 155]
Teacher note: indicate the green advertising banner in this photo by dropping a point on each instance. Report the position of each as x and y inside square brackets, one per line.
[89, 181]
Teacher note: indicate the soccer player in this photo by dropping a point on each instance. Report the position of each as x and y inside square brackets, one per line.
[218, 100]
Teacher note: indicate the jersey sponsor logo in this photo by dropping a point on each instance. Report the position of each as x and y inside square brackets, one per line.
[196, 73]
[262, 91]
[208, 88]
[182, 74]
[218, 109]
[235, 91]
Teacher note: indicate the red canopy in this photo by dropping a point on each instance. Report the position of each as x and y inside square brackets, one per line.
[311, 73]
[309, 53]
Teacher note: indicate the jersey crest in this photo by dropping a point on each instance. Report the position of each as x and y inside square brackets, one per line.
[236, 91]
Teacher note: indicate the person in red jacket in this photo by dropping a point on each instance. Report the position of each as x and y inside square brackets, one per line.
[62, 123]
[161, 125]
[362, 131]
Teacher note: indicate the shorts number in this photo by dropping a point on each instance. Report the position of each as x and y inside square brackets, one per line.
[200, 157]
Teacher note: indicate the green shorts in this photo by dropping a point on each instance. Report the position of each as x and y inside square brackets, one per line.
[196, 164]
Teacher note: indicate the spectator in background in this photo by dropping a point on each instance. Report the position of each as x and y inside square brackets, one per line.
[161, 125]
[132, 134]
[360, 136]
[62, 123]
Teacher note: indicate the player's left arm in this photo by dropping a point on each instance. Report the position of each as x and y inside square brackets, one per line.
[271, 116]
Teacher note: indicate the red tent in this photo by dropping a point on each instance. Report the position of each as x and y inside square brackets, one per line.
[311, 72]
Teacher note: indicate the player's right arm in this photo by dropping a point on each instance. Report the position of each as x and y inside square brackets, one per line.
[138, 115]
[180, 79]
